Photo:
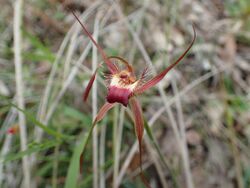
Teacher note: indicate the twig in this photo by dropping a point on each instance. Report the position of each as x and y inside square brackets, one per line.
[185, 156]
[94, 108]
[18, 7]
[157, 163]
[69, 55]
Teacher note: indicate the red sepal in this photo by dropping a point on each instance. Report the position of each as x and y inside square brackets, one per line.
[139, 123]
[102, 112]
[110, 65]
[160, 76]
[89, 86]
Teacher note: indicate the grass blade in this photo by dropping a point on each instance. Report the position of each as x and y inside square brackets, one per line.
[74, 167]
[158, 150]
[32, 149]
[42, 126]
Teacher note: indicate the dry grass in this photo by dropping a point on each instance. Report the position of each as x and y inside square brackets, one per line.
[199, 114]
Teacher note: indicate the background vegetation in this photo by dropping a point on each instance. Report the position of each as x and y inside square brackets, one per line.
[206, 97]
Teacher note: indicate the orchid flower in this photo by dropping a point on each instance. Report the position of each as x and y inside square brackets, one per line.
[13, 129]
[124, 87]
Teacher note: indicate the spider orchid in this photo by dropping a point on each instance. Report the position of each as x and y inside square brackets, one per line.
[13, 130]
[123, 86]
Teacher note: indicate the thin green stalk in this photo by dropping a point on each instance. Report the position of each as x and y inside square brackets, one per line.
[232, 137]
[117, 147]
[115, 126]
[74, 167]
[56, 162]
[102, 155]
[158, 150]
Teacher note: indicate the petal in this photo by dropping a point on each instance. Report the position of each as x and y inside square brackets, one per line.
[139, 123]
[104, 109]
[89, 86]
[160, 76]
[112, 68]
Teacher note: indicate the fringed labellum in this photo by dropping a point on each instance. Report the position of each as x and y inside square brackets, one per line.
[123, 86]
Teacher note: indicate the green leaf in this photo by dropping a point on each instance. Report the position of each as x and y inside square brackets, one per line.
[32, 149]
[47, 167]
[158, 150]
[74, 167]
[40, 51]
[246, 177]
[239, 103]
[35, 41]
[73, 113]
[42, 126]
[228, 83]
[32, 56]
[154, 143]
